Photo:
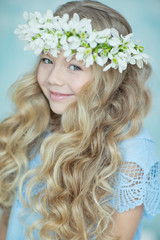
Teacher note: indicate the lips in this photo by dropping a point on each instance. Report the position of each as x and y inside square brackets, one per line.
[56, 96]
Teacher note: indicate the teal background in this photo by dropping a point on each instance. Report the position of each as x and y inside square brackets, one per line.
[144, 17]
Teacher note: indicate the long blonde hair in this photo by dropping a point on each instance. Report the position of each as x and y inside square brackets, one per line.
[80, 154]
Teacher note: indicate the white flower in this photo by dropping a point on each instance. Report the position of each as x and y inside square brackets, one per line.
[65, 17]
[114, 33]
[37, 46]
[66, 47]
[37, 15]
[127, 38]
[145, 57]
[101, 40]
[92, 40]
[114, 42]
[105, 33]
[114, 50]
[74, 42]
[85, 55]
[107, 67]
[63, 22]
[100, 60]
[69, 54]
[48, 15]
[117, 61]
[74, 23]
[32, 16]
[85, 26]
[139, 63]
[76, 37]
[63, 40]
[55, 52]
[80, 56]
[89, 61]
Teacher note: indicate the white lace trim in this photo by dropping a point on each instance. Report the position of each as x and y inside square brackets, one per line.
[135, 187]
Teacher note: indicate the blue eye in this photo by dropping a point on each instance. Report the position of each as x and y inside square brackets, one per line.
[74, 67]
[46, 61]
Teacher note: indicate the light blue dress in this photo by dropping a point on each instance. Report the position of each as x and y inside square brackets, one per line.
[138, 183]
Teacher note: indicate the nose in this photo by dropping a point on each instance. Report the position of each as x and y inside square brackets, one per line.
[56, 76]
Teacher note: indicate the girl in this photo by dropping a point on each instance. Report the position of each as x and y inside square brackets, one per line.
[75, 161]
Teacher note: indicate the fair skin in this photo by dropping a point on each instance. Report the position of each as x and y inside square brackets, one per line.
[126, 223]
[4, 223]
[60, 82]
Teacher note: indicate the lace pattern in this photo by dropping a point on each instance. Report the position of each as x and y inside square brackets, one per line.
[138, 179]
[135, 188]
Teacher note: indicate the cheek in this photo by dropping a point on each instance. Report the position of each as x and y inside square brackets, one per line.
[77, 87]
[40, 78]
[80, 83]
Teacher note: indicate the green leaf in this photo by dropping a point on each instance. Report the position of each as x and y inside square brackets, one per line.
[115, 60]
[141, 49]
[94, 57]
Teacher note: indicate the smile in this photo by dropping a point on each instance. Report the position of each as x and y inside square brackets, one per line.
[56, 96]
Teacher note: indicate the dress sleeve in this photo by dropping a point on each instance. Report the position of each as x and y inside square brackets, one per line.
[138, 179]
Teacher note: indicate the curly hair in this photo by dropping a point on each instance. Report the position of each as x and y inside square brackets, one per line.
[79, 150]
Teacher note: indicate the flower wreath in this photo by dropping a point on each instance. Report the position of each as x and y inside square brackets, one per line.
[76, 37]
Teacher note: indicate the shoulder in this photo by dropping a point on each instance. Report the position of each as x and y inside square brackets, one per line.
[139, 149]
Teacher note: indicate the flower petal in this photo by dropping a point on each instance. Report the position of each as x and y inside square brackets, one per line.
[107, 67]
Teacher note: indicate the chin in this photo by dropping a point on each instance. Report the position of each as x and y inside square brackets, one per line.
[58, 112]
[59, 109]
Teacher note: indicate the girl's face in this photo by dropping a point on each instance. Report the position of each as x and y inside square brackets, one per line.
[61, 81]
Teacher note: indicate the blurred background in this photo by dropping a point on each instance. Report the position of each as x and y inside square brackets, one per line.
[144, 18]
